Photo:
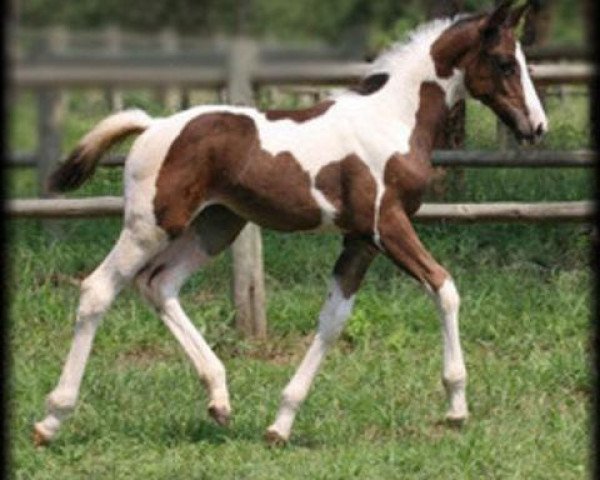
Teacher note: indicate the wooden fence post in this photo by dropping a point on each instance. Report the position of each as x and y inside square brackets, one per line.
[114, 43]
[248, 273]
[50, 103]
[170, 96]
[50, 117]
[588, 12]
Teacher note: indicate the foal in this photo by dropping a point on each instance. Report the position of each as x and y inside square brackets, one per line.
[357, 164]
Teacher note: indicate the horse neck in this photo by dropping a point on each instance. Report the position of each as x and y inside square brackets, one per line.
[416, 97]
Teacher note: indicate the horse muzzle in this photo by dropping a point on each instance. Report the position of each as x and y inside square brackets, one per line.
[527, 130]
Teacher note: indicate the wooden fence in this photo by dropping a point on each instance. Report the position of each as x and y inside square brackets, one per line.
[432, 212]
[53, 75]
[239, 69]
[517, 158]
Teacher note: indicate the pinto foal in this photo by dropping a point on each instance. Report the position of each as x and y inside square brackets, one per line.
[357, 164]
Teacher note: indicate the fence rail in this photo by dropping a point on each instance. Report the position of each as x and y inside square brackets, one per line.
[441, 158]
[238, 68]
[514, 158]
[432, 212]
[215, 76]
[555, 53]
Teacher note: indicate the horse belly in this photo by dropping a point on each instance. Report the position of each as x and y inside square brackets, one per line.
[274, 192]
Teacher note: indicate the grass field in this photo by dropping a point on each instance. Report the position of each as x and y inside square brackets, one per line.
[376, 408]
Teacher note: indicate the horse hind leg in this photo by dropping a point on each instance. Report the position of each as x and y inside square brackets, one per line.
[161, 280]
[98, 291]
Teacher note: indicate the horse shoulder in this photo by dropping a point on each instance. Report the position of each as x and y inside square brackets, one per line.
[350, 185]
[406, 179]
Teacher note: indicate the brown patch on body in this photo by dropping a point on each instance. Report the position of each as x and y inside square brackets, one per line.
[218, 156]
[371, 84]
[351, 189]
[274, 192]
[302, 115]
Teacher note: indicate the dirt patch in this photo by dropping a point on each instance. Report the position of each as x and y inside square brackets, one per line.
[286, 350]
[58, 279]
[203, 296]
[143, 356]
[280, 351]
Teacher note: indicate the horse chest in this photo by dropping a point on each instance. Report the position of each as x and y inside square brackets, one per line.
[406, 178]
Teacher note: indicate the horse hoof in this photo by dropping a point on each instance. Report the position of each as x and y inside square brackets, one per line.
[455, 420]
[220, 415]
[274, 438]
[39, 439]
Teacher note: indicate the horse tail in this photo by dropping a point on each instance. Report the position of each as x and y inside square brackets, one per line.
[82, 162]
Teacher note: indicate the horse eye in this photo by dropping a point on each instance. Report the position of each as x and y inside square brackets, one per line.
[507, 68]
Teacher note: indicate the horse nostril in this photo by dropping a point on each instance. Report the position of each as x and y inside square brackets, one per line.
[539, 131]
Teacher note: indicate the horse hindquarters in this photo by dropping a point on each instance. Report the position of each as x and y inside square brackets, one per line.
[160, 272]
[130, 253]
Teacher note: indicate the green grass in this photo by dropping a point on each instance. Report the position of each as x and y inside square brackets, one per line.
[375, 409]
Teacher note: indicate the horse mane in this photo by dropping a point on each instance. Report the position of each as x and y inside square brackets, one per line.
[396, 55]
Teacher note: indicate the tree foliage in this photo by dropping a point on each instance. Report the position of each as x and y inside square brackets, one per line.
[324, 19]
[327, 20]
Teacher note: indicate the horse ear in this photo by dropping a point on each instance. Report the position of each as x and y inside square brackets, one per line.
[495, 21]
[518, 14]
[500, 15]
[524, 30]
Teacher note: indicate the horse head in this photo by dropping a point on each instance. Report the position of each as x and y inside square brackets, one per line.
[496, 73]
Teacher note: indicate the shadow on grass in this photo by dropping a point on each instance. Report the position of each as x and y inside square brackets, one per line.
[204, 431]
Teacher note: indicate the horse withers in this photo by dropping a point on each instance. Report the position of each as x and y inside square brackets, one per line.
[357, 164]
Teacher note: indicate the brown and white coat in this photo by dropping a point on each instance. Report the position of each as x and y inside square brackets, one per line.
[357, 164]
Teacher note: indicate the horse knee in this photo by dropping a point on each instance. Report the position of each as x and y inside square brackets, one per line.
[96, 296]
[156, 286]
[455, 377]
[448, 299]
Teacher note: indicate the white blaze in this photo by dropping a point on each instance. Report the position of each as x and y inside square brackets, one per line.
[537, 116]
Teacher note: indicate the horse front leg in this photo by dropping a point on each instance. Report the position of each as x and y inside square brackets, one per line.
[348, 273]
[400, 242]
